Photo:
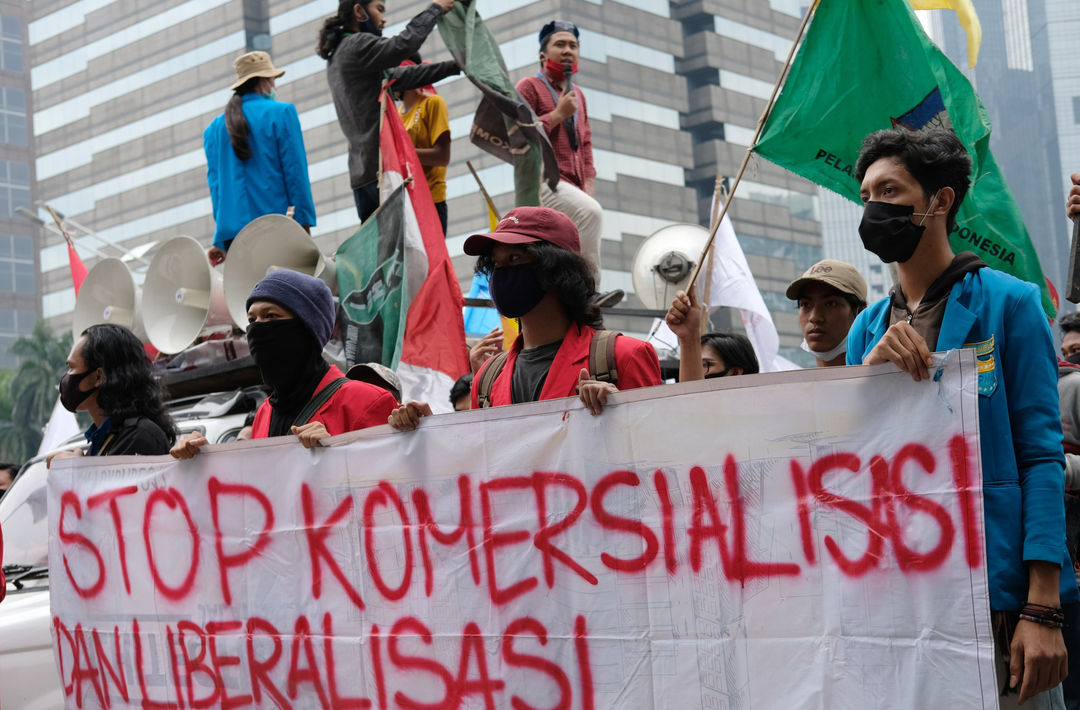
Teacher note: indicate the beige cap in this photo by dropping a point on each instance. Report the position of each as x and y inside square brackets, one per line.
[376, 374]
[254, 64]
[839, 274]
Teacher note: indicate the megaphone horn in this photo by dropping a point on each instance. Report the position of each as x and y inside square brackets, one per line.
[182, 296]
[270, 242]
[664, 261]
[108, 295]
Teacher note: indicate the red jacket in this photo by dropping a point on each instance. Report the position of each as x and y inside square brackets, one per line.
[635, 359]
[357, 405]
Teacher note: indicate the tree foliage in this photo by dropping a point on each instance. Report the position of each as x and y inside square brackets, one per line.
[28, 395]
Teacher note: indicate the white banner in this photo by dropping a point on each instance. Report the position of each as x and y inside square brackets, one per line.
[793, 540]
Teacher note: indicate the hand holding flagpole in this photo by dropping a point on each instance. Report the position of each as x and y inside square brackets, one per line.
[757, 134]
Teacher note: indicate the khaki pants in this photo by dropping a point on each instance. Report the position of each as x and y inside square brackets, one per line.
[586, 214]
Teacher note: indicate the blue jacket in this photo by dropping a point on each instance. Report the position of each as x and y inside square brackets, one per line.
[1019, 423]
[274, 177]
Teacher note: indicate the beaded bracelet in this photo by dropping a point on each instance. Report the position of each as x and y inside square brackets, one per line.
[1052, 617]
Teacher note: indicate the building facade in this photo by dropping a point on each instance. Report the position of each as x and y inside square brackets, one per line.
[733, 54]
[19, 298]
[1018, 80]
[122, 92]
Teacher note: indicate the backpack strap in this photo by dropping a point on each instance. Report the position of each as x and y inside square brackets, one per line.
[491, 370]
[315, 403]
[602, 356]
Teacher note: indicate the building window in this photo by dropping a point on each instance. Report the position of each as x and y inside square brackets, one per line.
[11, 54]
[16, 266]
[13, 117]
[14, 324]
[14, 187]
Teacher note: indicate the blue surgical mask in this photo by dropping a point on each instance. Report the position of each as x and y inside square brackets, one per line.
[272, 95]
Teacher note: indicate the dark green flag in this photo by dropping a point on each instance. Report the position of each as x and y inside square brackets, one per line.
[504, 124]
[866, 65]
[372, 283]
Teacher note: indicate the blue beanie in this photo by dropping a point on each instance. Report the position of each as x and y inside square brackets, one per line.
[307, 297]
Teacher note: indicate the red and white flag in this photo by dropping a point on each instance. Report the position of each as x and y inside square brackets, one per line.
[433, 352]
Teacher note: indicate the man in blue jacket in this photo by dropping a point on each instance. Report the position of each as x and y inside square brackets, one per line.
[255, 158]
[912, 184]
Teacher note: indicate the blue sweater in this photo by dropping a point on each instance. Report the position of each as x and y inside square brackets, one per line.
[272, 179]
[1019, 423]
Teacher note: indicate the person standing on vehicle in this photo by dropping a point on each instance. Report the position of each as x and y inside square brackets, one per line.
[358, 58]
[290, 318]
[255, 157]
[427, 121]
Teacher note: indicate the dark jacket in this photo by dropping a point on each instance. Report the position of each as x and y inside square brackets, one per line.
[137, 436]
[355, 73]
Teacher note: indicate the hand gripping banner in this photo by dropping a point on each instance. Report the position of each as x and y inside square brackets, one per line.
[804, 539]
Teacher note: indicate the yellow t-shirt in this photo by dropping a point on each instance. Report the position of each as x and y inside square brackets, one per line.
[426, 121]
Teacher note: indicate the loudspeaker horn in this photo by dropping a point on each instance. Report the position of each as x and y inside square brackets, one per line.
[108, 295]
[182, 296]
[664, 262]
[267, 243]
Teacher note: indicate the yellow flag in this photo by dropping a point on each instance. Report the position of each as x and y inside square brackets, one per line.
[968, 20]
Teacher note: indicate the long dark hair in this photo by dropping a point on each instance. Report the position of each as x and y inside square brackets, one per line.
[734, 349]
[128, 389]
[235, 121]
[335, 27]
[564, 273]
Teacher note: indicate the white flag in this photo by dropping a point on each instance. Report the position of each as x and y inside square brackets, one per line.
[732, 285]
[61, 427]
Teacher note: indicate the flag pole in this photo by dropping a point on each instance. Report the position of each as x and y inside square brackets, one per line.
[60, 226]
[718, 196]
[483, 191]
[753, 143]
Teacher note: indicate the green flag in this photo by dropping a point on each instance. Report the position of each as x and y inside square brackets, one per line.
[372, 283]
[867, 65]
[504, 125]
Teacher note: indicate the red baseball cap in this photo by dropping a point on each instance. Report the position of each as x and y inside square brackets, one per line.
[523, 225]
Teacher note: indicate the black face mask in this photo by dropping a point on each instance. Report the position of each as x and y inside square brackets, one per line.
[515, 290]
[1074, 359]
[70, 394]
[886, 230]
[283, 350]
[714, 375]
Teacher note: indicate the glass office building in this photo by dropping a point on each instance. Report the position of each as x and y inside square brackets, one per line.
[19, 301]
[673, 89]
[733, 53]
[1028, 77]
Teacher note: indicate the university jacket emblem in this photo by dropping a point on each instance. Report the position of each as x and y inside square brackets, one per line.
[987, 364]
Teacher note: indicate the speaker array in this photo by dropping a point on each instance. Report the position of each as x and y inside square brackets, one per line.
[183, 297]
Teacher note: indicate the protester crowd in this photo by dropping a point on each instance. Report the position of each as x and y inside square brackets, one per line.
[543, 263]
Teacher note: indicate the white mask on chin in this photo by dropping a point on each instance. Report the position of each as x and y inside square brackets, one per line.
[828, 355]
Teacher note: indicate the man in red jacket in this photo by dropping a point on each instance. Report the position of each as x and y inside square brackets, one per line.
[290, 318]
[538, 276]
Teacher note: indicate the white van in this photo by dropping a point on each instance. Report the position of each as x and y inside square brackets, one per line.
[29, 679]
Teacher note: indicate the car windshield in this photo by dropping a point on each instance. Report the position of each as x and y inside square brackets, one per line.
[24, 519]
